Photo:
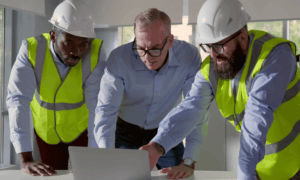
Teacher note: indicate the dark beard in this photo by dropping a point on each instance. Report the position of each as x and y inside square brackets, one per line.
[232, 66]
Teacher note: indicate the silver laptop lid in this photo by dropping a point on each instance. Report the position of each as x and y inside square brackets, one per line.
[109, 164]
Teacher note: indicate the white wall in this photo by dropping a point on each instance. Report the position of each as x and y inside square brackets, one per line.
[232, 149]
[109, 37]
[212, 154]
[114, 13]
[32, 6]
[41, 22]
[220, 150]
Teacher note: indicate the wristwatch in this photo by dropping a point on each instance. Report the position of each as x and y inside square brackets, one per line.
[189, 162]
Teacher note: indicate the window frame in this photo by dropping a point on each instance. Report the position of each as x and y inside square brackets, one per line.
[2, 88]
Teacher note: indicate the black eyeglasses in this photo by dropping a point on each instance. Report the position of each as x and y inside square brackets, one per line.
[218, 48]
[151, 52]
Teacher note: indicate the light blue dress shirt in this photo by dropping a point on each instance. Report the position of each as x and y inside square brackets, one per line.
[144, 97]
[21, 87]
[265, 96]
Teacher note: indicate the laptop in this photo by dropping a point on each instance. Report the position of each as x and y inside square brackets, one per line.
[109, 164]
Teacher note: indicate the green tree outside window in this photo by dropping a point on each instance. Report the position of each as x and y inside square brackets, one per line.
[272, 27]
[295, 33]
[128, 34]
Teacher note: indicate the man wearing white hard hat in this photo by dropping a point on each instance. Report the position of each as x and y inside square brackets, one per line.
[57, 75]
[255, 80]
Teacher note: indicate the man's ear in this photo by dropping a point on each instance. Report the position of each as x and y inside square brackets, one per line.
[52, 36]
[244, 39]
[170, 41]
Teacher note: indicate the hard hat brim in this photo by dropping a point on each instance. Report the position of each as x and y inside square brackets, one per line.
[92, 35]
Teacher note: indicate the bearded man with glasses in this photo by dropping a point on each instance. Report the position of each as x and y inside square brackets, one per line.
[254, 78]
[143, 81]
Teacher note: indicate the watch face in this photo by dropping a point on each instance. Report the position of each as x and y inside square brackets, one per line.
[188, 161]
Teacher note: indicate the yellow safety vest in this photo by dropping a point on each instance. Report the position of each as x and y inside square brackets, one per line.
[282, 148]
[58, 106]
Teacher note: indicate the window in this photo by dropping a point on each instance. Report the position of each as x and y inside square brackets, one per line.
[183, 31]
[128, 34]
[294, 33]
[272, 27]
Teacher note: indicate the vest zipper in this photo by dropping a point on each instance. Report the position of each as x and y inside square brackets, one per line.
[234, 104]
[54, 103]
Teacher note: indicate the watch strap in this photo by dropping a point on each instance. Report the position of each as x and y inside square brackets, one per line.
[190, 166]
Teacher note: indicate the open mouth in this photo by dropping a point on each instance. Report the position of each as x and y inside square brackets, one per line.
[221, 61]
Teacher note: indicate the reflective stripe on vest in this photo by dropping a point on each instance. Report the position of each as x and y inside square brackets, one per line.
[59, 108]
[283, 139]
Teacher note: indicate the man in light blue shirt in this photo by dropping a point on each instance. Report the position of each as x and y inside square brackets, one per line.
[67, 48]
[234, 55]
[143, 81]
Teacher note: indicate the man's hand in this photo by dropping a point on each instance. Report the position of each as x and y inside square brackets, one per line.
[34, 168]
[155, 151]
[37, 169]
[178, 172]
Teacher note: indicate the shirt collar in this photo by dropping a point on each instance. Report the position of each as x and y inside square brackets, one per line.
[172, 61]
[53, 54]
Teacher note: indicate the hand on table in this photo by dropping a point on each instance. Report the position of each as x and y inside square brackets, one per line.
[155, 151]
[37, 169]
[34, 168]
[178, 172]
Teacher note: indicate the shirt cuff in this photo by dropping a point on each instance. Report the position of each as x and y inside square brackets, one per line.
[106, 143]
[165, 141]
[243, 173]
[191, 152]
[92, 143]
[22, 146]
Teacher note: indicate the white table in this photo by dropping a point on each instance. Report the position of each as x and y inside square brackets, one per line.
[66, 175]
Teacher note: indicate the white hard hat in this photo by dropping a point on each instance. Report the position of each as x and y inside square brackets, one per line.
[218, 19]
[74, 17]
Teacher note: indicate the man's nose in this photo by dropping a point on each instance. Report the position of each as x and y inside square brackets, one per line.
[75, 51]
[147, 56]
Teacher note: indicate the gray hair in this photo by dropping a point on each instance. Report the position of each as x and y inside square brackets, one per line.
[151, 15]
